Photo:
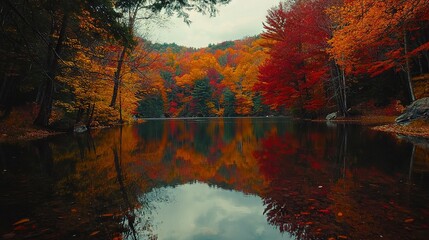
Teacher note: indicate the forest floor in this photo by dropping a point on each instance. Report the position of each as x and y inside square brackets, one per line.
[18, 126]
[366, 120]
[418, 128]
[17, 134]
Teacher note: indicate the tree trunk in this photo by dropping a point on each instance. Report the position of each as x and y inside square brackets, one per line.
[410, 170]
[426, 55]
[334, 79]
[117, 158]
[7, 98]
[340, 90]
[8, 90]
[120, 108]
[45, 110]
[90, 115]
[427, 59]
[342, 149]
[3, 87]
[117, 76]
[343, 84]
[407, 67]
[79, 115]
[42, 87]
[419, 59]
[39, 95]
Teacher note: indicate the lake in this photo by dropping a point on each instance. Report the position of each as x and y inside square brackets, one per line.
[233, 178]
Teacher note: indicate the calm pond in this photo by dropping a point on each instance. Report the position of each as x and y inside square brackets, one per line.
[244, 178]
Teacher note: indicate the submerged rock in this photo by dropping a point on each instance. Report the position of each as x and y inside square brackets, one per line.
[331, 116]
[418, 109]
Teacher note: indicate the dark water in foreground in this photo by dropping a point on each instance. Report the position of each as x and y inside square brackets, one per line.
[251, 178]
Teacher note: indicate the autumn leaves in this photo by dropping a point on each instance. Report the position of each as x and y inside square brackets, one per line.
[212, 82]
[318, 45]
[313, 58]
[86, 64]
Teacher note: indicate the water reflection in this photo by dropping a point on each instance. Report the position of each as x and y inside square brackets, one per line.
[197, 211]
[307, 180]
[338, 186]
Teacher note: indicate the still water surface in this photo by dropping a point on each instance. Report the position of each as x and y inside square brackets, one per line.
[245, 178]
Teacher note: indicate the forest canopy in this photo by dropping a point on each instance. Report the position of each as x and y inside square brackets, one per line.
[84, 62]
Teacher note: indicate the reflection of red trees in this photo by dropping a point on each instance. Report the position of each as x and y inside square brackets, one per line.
[305, 197]
[374, 204]
[296, 199]
[357, 198]
[286, 172]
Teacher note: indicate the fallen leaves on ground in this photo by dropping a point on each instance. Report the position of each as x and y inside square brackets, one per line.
[420, 130]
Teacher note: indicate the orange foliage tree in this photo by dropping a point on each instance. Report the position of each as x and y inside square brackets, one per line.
[228, 69]
[373, 37]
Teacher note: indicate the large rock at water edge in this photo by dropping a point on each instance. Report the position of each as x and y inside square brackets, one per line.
[418, 109]
[80, 129]
[332, 116]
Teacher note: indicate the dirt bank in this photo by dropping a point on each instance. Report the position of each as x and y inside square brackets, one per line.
[419, 128]
[15, 134]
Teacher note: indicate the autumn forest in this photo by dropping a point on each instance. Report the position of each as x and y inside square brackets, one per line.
[107, 133]
[68, 62]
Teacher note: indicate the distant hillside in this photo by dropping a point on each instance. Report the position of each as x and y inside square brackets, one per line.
[214, 81]
[162, 47]
[230, 44]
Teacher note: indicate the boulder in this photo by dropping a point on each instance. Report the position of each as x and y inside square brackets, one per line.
[331, 116]
[80, 129]
[417, 110]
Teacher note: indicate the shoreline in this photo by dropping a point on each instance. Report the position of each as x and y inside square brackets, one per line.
[419, 128]
[363, 120]
[409, 130]
[17, 135]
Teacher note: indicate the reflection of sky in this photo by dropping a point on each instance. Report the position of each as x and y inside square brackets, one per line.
[197, 211]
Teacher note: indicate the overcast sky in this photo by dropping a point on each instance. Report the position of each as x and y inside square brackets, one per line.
[240, 18]
[197, 211]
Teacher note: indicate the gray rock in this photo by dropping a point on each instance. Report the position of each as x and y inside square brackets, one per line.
[80, 129]
[417, 110]
[331, 116]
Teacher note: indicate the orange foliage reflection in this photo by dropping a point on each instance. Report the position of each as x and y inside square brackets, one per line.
[316, 182]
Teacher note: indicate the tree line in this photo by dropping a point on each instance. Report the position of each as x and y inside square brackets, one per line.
[313, 58]
[66, 54]
[216, 81]
[83, 62]
[324, 50]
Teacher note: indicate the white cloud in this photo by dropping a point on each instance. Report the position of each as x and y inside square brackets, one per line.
[197, 211]
[236, 20]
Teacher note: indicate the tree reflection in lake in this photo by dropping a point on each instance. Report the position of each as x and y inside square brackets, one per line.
[316, 181]
[320, 186]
